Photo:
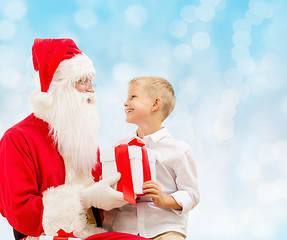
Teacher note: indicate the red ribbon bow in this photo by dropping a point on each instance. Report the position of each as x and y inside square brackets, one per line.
[65, 235]
[125, 185]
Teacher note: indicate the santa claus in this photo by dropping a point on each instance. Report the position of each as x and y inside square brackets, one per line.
[49, 170]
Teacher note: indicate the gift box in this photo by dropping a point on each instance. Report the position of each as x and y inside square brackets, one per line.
[137, 166]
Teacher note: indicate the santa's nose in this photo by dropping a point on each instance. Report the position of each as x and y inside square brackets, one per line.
[90, 89]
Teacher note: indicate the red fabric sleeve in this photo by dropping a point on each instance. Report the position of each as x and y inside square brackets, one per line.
[115, 236]
[97, 171]
[20, 200]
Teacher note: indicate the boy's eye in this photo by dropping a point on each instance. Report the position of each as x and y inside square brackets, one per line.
[133, 96]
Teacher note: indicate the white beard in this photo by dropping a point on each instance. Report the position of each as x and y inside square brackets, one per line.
[73, 121]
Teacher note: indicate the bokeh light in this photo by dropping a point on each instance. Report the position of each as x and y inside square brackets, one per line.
[123, 72]
[188, 13]
[182, 52]
[205, 13]
[15, 9]
[136, 15]
[178, 29]
[261, 8]
[242, 39]
[242, 25]
[7, 29]
[85, 18]
[201, 40]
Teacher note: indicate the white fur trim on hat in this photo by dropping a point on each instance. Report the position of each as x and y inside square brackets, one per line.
[74, 69]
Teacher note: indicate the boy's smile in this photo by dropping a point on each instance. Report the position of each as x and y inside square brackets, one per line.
[128, 110]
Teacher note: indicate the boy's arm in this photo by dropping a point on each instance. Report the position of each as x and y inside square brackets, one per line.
[153, 190]
[187, 194]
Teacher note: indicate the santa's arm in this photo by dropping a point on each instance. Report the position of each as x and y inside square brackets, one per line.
[20, 201]
[26, 208]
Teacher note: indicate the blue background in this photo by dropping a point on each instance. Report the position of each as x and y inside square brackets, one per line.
[227, 62]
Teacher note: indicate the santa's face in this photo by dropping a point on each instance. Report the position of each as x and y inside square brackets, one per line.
[85, 85]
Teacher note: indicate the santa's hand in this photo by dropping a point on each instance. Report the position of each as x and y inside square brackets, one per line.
[102, 195]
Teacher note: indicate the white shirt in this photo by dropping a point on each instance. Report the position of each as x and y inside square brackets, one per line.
[176, 174]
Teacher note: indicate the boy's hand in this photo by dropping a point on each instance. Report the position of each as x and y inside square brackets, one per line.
[153, 190]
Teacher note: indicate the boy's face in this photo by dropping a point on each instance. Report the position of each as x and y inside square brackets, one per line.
[138, 107]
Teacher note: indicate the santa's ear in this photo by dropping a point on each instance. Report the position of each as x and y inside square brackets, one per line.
[156, 104]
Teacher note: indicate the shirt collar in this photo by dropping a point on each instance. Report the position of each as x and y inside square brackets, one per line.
[155, 137]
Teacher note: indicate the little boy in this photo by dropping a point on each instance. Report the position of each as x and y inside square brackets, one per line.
[163, 212]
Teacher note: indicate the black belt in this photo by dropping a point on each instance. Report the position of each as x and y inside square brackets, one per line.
[18, 235]
[97, 215]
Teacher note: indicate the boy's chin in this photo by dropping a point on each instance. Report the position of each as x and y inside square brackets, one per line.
[130, 121]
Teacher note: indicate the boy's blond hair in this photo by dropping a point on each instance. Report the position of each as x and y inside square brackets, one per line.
[158, 87]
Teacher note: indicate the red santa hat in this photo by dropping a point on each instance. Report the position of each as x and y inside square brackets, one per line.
[60, 59]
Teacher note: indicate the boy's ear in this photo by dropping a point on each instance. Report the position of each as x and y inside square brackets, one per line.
[156, 104]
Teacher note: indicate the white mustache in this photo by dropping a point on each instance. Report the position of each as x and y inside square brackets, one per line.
[88, 97]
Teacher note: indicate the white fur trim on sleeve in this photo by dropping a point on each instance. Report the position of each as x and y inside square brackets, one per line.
[63, 210]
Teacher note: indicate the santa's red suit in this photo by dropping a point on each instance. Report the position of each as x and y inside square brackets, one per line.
[30, 164]
[41, 190]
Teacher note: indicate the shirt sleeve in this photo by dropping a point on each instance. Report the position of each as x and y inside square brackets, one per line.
[187, 194]
[20, 198]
